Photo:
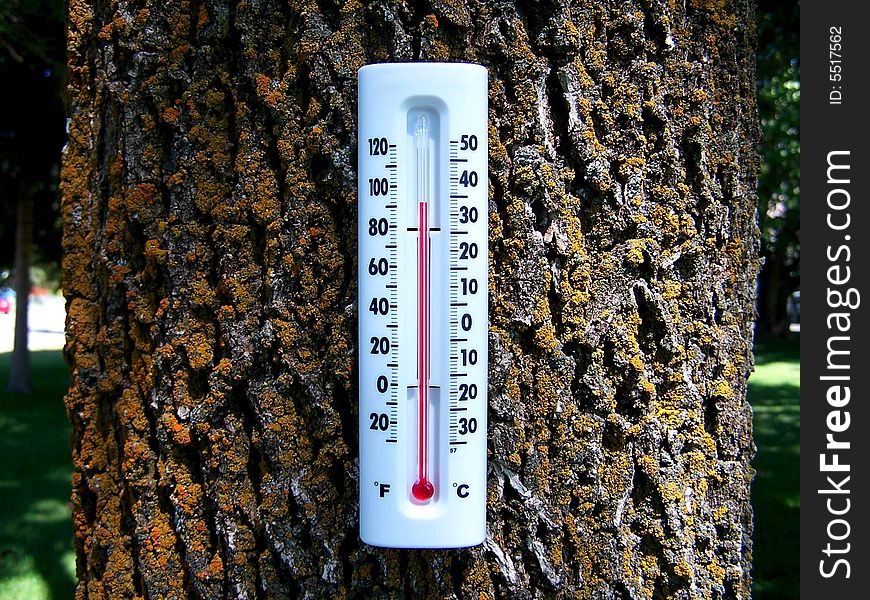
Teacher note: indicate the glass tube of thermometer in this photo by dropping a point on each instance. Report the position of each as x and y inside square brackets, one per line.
[422, 489]
[423, 281]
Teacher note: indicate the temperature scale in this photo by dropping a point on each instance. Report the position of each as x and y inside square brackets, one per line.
[423, 304]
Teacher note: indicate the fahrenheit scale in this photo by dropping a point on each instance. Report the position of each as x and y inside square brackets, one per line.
[423, 304]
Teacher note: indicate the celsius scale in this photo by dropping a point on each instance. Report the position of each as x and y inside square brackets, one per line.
[423, 291]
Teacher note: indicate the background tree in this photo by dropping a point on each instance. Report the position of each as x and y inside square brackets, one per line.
[210, 217]
[31, 135]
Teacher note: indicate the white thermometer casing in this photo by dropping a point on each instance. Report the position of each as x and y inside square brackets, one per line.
[422, 146]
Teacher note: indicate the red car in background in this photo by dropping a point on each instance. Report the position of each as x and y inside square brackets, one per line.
[7, 299]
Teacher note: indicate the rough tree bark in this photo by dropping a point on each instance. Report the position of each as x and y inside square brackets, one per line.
[210, 218]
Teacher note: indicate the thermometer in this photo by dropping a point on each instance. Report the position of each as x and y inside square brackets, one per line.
[423, 282]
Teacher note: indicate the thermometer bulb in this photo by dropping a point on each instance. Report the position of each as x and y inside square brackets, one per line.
[423, 490]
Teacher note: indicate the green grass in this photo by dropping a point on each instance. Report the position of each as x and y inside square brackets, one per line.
[36, 541]
[774, 392]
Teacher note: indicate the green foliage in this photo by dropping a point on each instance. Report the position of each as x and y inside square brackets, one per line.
[779, 183]
[779, 180]
[28, 32]
[32, 68]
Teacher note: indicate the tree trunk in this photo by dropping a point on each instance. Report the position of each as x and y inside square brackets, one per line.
[20, 381]
[210, 219]
[774, 290]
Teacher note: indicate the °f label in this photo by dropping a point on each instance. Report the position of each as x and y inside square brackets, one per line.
[423, 299]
